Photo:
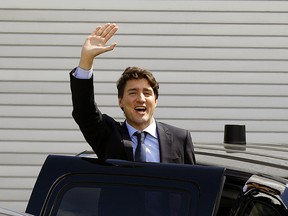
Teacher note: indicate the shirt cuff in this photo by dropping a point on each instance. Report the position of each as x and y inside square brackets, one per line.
[83, 74]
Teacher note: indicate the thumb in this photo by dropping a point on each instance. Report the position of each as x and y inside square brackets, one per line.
[111, 47]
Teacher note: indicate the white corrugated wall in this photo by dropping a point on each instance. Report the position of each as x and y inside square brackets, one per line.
[218, 62]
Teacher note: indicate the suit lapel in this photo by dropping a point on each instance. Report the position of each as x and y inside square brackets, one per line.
[165, 143]
[127, 142]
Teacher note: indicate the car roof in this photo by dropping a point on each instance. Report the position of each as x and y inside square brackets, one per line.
[254, 158]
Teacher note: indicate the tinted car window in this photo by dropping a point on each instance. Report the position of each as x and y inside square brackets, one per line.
[123, 200]
[260, 208]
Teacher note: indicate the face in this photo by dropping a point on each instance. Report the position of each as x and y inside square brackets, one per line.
[139, 103]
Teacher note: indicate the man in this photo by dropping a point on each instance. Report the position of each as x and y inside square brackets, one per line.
[137, 96]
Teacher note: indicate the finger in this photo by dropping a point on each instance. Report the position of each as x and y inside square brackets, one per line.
[95, 31]
[111, 33]
[109, 48]
[108, 29]
[102, 29]
[113, 45]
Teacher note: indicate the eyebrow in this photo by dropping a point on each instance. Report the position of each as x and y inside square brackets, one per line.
[132, 89]
[136, 89]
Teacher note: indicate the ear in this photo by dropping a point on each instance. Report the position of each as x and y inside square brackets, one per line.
[120, 103]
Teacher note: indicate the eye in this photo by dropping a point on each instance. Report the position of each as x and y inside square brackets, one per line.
[132, 93]
[148, 93]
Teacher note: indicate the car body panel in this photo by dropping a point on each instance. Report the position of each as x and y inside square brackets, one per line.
[192, 183]
[256, 177]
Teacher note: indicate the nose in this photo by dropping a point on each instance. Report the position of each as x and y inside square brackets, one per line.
[141, 97]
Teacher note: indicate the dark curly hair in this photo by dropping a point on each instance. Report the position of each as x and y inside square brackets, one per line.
[136, 73]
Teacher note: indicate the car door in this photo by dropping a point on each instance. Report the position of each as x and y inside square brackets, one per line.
[87, 187]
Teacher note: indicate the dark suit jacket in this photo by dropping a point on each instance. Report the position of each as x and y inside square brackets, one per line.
[110, 139]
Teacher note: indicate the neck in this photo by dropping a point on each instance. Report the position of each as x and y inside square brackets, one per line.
[140, 127]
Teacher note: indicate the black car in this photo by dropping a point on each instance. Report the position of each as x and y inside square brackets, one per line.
[232, 180]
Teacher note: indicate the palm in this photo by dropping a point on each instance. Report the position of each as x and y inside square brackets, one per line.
[94, 45]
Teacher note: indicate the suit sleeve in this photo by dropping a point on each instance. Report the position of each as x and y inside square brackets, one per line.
[189, 150]
[86, 113]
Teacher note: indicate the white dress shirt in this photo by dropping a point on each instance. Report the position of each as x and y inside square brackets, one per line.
[83, 74]
[150, 141]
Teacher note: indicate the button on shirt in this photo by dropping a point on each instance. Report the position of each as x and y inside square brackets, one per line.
[151, 142]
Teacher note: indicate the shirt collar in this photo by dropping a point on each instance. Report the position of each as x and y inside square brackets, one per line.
[151, 129]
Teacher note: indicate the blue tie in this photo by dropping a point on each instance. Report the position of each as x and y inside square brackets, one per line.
[140, 153]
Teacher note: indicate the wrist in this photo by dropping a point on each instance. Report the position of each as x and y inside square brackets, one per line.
[86, 64]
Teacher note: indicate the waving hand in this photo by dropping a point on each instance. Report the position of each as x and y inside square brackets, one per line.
[95, 44]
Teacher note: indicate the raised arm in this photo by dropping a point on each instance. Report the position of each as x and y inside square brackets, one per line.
[95, 44]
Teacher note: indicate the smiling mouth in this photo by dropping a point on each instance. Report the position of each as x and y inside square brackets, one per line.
[140, 109]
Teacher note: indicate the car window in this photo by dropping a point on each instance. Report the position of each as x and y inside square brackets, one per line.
[123, 200]
[260, 208]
